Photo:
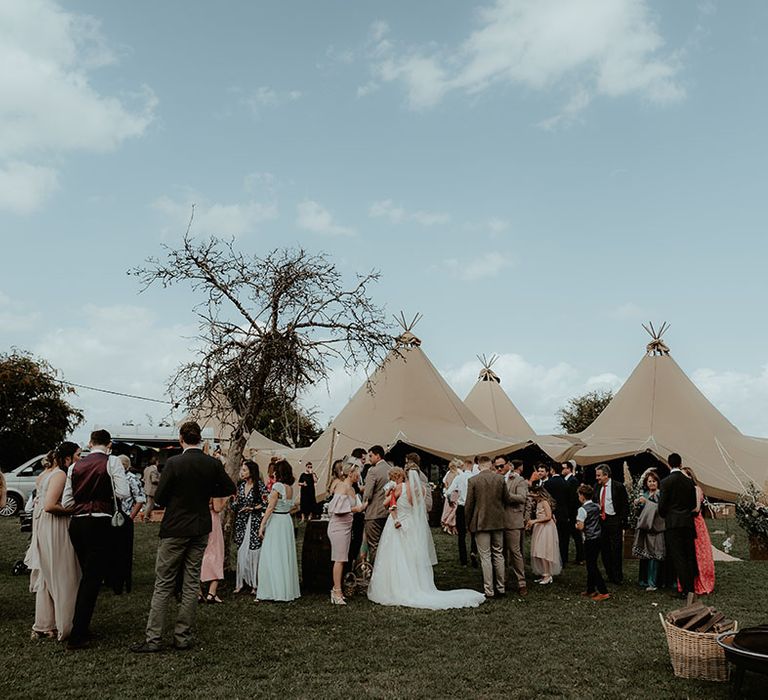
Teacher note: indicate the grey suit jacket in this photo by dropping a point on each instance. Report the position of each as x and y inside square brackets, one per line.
[374, 491]
[484, 509]
[514, 506]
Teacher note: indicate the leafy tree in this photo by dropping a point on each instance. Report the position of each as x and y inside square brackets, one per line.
[581, 411]
[34, 413]
[269, 326]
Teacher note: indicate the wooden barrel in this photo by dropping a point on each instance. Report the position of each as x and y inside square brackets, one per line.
[316, 564]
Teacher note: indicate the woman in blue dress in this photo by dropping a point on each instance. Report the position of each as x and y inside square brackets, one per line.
[278, 567]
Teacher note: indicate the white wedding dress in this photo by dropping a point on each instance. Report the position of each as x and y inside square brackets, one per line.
[402, 571]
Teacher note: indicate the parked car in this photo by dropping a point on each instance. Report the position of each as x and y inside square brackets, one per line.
[20, 484]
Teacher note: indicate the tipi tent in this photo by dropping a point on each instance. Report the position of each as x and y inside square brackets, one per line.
[491, 404]
[408, 401]
[659, 410]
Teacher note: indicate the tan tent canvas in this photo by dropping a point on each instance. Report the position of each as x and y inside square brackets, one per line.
[407, 401]
[491, 404]
[660, 410]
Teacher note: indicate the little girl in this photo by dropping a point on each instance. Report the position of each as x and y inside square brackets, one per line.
[393, 488]
[545, 550]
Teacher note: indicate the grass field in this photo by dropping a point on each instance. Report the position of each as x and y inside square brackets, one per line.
[551, 644]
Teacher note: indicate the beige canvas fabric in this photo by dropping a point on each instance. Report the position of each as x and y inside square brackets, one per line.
[491, 404]
[407, 401]
[660, 410]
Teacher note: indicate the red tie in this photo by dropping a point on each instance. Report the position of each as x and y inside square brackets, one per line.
[602, 504]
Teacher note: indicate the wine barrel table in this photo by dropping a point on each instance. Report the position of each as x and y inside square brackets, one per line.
[316, 564]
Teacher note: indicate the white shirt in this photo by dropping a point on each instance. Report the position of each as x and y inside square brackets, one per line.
[119, 483]
[609, 510]
[460, 484]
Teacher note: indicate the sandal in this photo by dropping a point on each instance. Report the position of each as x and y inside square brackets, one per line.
[213, 599]
[50, 634]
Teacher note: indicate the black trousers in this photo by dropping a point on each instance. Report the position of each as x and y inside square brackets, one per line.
[461, 528]
[92, 539]
[578, 540]
[595, 581]
[563, 538]
[612, 541]
[356, 541]
[681, 554]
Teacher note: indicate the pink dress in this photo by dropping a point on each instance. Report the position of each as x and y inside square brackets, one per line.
[213, 559]
[448, 518]
[545, 547]
[340, 525]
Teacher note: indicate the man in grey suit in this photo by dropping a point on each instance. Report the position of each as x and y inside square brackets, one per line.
[514, 524]
[484, 510]
[376, 513]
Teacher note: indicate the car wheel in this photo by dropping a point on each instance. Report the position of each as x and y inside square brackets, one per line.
[12, 506]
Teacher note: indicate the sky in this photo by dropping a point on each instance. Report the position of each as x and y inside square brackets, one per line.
[536, 177]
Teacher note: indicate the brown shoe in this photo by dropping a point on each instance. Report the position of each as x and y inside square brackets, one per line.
[600, 596]
[522, 591]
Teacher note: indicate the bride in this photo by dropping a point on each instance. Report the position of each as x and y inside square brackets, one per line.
[402, 571]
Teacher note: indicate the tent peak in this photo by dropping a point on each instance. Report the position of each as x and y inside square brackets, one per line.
[657, 346]
[486, 373]
[407, 338]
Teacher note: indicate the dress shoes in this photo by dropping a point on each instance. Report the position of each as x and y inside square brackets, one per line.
[523, 591]
[145, 648]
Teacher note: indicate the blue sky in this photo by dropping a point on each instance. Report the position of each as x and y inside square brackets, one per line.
[536, 178]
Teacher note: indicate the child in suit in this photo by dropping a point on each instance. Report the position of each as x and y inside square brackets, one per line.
[588, 522]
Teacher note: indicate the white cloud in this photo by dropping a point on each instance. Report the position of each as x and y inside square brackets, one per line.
[15, 316]
[223, 220]
[602, 47]
[486, 266]
[267, 97]
[742, 397]
[24, 187]
[387, 209]
[47, 104]
[312, 216]
[128, 349]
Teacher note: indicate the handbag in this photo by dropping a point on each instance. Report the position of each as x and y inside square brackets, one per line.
[118, 519]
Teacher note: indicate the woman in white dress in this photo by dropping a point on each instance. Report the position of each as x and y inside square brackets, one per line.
[278, 567]
[402, 573]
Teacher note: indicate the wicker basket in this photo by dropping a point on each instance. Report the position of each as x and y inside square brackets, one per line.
[695, 654]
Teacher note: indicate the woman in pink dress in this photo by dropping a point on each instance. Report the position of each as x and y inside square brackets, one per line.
[212, 569]
[704, 582]
[448, 518]
[343, 505]
[545, 548]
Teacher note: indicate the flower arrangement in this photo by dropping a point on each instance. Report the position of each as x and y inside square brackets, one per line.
[752, 513]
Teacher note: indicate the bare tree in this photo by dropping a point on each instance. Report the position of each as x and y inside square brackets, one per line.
[269, 326]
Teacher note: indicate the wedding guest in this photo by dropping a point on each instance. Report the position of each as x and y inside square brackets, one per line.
[484, 510]
[588, 524]
[502, 466]
[307, 501]
[573, 503]
[561, 495]
[358, 519]
[248, 506]
[545, 548]
[459, 487]
[278, 567]
[344, 504]
[51, 558]
[613, 500]
[649, 532]
[212, 568]
[448, 518]
[151, 480]
[121, 575]
[677, 504]
[271, 472]
[334, 476]
[539, 475]
[187, 483]
[94, 485]
[704, 581]
[514, 524]
[376, 513]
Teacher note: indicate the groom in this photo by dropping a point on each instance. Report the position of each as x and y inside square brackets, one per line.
[376, 513]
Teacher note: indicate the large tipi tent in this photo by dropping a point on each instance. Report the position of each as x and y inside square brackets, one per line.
[491, 404]
[406, 401]
[659, 410]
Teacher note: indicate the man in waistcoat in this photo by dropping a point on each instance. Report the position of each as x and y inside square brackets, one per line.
[93, 485]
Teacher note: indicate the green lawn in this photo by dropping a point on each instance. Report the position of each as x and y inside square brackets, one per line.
[552, 644]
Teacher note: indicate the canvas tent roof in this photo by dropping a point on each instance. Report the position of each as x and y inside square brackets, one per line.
[491, 404]
[406, 401]
[660, 410]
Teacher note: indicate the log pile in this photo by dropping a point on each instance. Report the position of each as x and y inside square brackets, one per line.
[700, 618]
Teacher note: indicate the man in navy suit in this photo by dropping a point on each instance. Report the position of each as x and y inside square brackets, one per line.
[677, 503]
[613, 500]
